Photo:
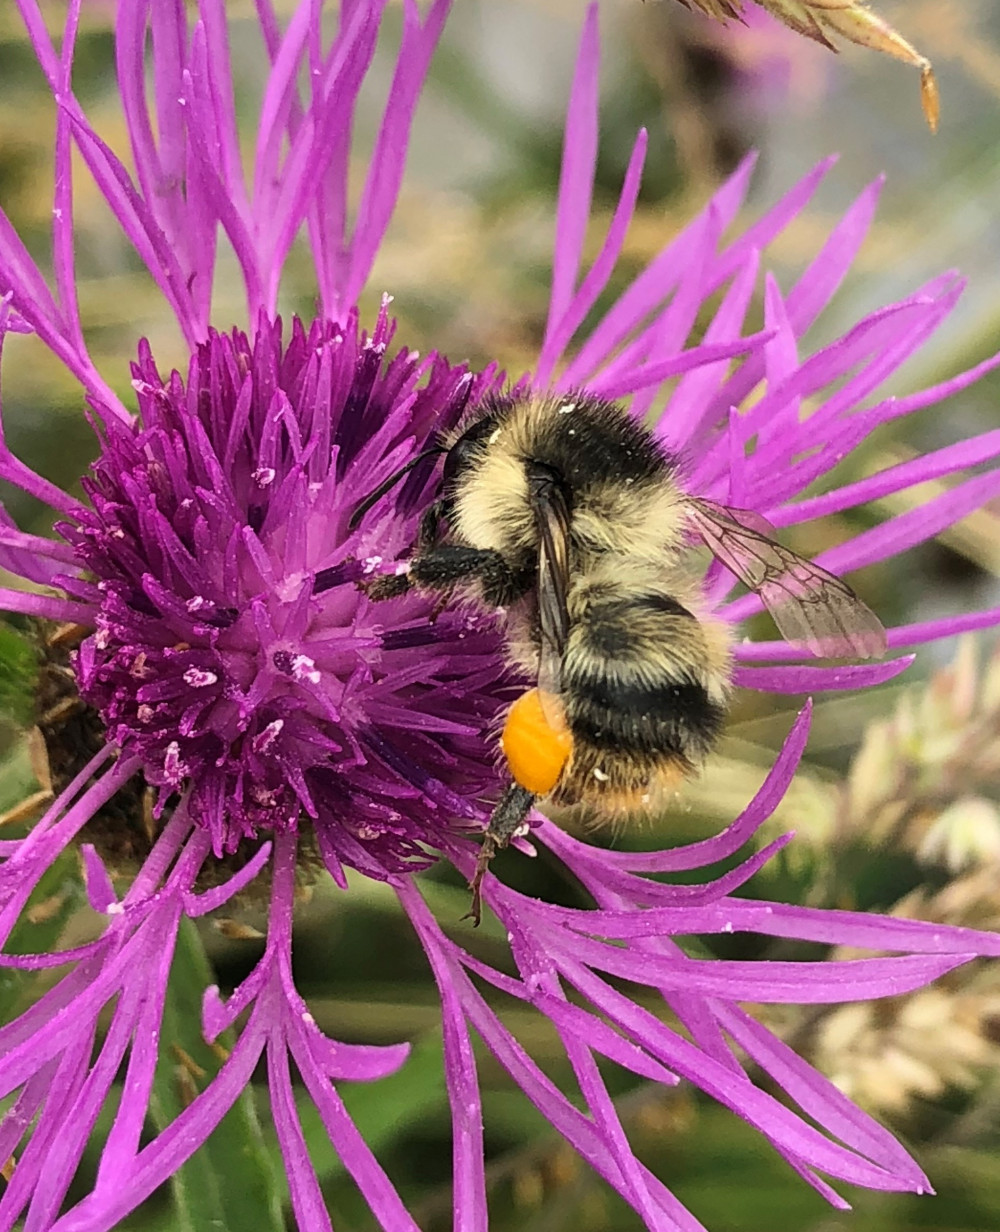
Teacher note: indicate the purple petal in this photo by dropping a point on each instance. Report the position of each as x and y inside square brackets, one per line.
[819, 1098]
[809, 679]
[790, 1135]
[100, 892]
[385, 170]
[460, 1070]
[707, 851]
[156, 1163]
[933, 465]
[652, 286]
[307, 1198]
[769, 982]
[576, 177]
[559, 332]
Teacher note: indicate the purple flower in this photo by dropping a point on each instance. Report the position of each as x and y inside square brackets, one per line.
[272, 710]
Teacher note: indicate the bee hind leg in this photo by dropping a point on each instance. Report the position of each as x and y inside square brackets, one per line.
[515, 804]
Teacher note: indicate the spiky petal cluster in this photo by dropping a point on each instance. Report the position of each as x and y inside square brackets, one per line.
[240, 670]
[233, 650]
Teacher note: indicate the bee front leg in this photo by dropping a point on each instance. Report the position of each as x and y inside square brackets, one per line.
[430, 524]
[392, 585]
[444, 568]
[450, 566]
[508, 816]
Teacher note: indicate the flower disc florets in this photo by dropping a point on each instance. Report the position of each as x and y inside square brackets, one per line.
[234, 653]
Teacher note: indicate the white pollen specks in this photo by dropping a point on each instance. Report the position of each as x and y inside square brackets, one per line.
[264, 739]
[304, 668]
[174, 769]
[196, 603]
[264, 476]
[600, 775]
[567, 408]
[200, 678]
[144, 712]
[371, 563]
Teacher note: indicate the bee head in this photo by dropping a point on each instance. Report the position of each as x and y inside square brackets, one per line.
[466, 452]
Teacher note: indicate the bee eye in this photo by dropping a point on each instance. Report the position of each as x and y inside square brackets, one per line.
[467, 450]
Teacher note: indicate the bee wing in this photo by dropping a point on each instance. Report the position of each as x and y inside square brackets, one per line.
[552, 519]
[811, 607]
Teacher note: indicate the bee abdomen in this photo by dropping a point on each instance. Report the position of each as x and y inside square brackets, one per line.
[639, 704]
[658, 717]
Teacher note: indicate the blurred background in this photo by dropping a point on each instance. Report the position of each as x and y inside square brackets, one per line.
[896, 806]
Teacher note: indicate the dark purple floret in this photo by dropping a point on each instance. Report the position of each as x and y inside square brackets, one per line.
[233, 648]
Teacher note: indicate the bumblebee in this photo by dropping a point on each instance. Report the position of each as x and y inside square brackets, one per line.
[567, 514]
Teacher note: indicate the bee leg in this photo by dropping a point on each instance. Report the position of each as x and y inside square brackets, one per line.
[430, 522]
[389, 586]
[451, 565]
[392, 585]
[515, 804]
[439, 607]
[444, 568]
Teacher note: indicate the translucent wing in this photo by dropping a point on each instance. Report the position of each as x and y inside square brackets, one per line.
[811, 607]
[552, 518]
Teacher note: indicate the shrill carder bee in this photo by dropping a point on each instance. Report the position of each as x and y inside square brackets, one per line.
[566, 513]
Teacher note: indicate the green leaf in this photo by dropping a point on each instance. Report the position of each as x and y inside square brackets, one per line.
[230, 1183]
[384, 1110]
[18, 675]
[58, 895]
[17, 777]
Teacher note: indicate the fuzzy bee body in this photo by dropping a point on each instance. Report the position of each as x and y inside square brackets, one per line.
[567, 514]
[644, 685]
[618, 483]
[643, 679]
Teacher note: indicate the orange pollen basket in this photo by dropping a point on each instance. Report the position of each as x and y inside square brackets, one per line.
[536, 751]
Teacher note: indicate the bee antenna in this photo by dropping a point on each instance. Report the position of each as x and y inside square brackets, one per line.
[391, 482]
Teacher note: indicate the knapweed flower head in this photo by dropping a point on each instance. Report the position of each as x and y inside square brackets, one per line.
[268, 710]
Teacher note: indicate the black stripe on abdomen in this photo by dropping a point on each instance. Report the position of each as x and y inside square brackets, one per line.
[643, 718]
